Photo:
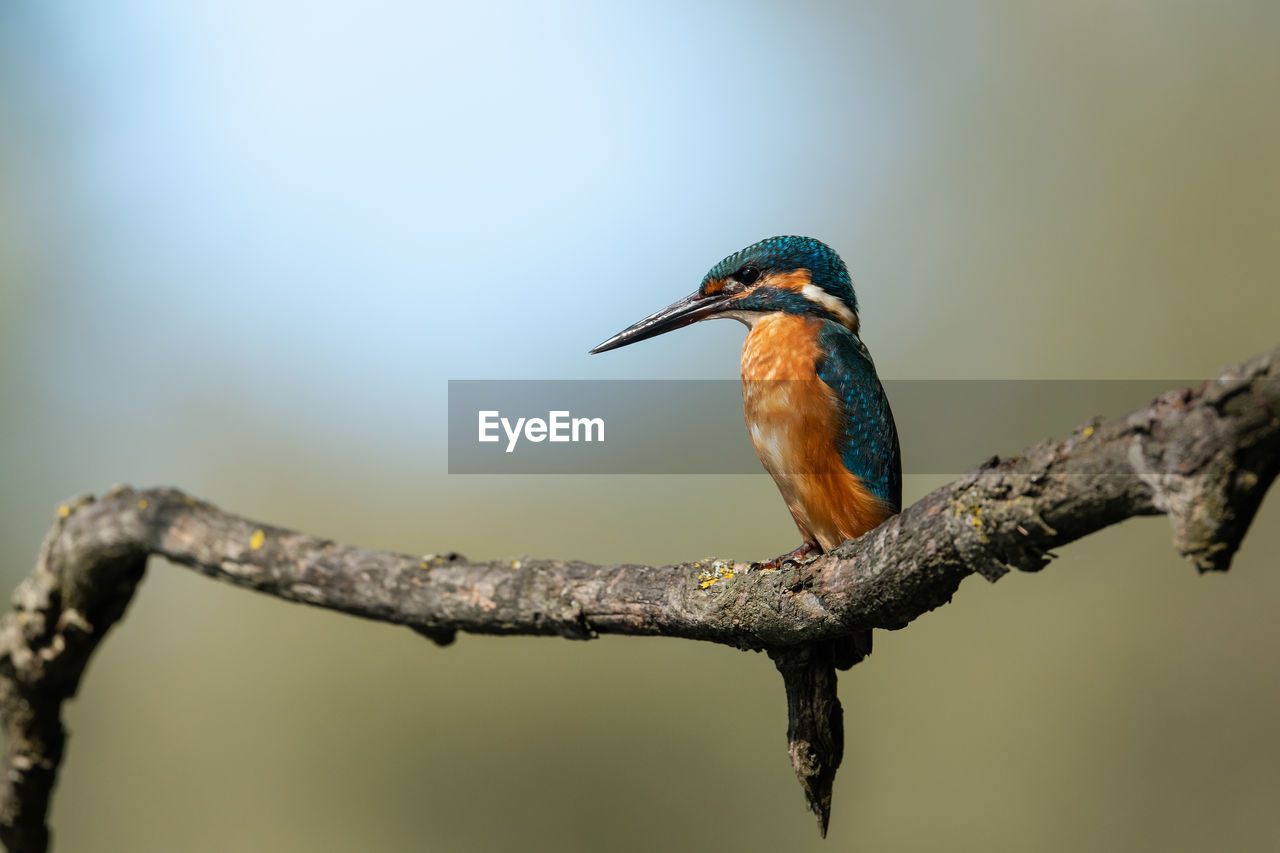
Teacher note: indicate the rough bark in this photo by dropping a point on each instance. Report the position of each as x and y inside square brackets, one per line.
[815, 722]
[1204, 456]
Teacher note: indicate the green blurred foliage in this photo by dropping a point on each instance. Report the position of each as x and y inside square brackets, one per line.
[1098, 196]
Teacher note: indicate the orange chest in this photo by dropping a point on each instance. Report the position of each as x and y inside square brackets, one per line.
[781, 347]
[789, 410]
[794, 421]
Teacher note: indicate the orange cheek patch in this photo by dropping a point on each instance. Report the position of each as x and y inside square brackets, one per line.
[714, 286]
[794, 280]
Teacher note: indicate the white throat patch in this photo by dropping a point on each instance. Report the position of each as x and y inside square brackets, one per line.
[746, 318]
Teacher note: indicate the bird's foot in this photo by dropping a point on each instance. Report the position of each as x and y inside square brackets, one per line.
[798, 557]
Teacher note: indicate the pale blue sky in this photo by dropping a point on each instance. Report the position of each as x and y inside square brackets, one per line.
[391, 193]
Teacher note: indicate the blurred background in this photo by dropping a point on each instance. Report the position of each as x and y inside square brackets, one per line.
[244, 245]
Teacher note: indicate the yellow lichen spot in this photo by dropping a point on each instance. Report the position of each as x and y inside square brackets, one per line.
[715, 572]
[1088, 431]
[64, 511]
[142, 504]
[976, 520]
[423, 565]
[256, 540]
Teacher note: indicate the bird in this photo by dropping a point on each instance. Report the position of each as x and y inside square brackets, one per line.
[814, 405]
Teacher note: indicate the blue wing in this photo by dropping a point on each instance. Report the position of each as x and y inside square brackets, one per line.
[869, 438]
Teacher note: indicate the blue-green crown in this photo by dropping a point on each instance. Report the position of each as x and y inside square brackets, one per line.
[786, 254]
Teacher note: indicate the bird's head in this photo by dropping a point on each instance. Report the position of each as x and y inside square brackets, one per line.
[791, 275]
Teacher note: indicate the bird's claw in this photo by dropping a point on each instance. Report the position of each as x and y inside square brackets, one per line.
[798, 557]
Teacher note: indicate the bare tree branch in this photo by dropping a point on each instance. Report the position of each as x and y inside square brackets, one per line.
[1204, 456]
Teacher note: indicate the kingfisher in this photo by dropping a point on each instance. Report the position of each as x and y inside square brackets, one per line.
[814, 406]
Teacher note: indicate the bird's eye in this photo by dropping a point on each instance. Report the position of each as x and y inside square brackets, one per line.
[747, 275]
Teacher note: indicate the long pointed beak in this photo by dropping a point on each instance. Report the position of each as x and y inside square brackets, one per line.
[677, 315]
